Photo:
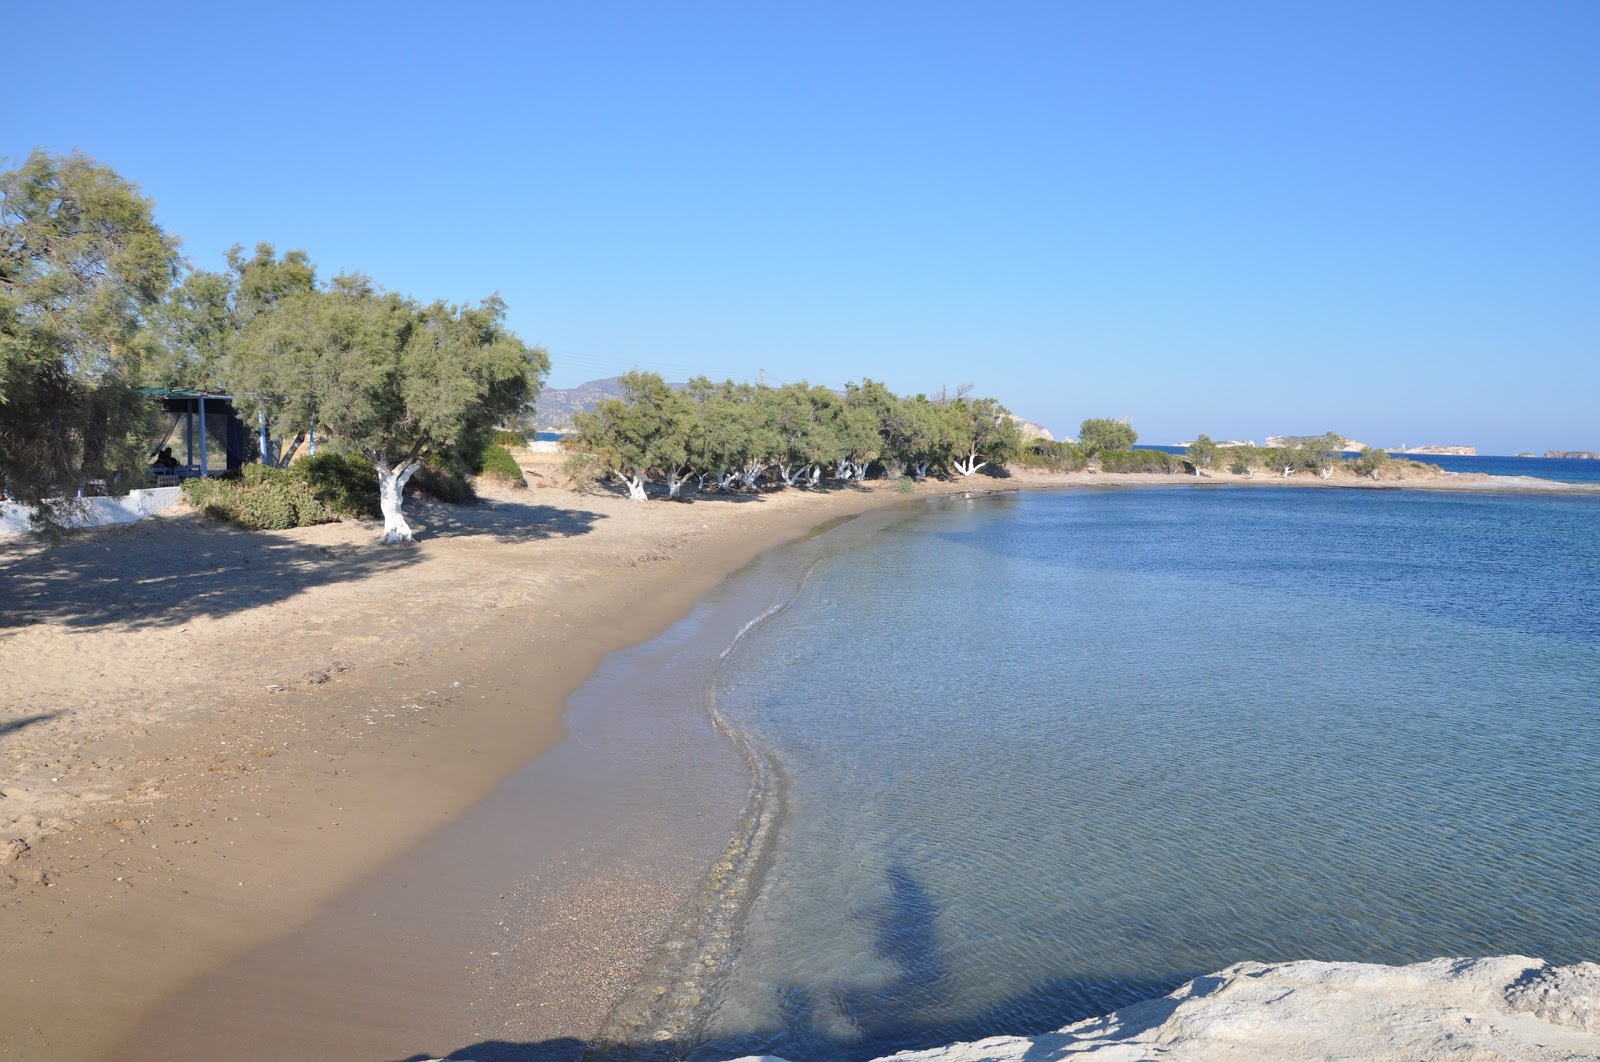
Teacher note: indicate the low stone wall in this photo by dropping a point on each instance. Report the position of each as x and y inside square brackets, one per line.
[97, 512]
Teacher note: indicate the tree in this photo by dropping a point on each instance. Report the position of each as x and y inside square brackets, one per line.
[799, 419]
[979, 429]
[1325, 452]
[389, 378]
[1202, 452]
[922, 435]
[645, 431]
[1370, 461]
[1099, 434]
[83, 265]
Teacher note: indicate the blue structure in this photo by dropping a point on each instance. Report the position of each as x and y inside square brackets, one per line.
[204, 427]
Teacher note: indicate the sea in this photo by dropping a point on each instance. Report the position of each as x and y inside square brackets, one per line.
[1031, 757]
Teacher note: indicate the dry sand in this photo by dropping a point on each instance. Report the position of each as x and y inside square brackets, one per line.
[206, 734]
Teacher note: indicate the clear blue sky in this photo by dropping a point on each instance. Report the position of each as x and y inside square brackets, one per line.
[1238, 218]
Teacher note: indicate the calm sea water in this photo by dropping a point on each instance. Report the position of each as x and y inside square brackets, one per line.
[1045, 755]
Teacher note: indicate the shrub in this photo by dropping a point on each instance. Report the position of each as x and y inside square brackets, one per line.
[346, 484]
[584, 470]
[438, 480]
[1139, 461]
[1370, 461]
[496, 463]
[1060, 456]
[261, 498]
[502, 437]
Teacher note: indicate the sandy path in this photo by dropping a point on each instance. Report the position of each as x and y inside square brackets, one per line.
[207, 734]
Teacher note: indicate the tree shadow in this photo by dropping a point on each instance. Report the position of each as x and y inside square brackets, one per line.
[11, 725]
[916, 1008]
[167, 574]
[502, 519]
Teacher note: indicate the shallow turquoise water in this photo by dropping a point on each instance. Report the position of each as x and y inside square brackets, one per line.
[1047, 754]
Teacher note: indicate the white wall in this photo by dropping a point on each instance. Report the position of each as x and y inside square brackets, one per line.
[97, 512]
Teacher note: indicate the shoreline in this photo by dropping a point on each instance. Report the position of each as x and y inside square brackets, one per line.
[139, 896]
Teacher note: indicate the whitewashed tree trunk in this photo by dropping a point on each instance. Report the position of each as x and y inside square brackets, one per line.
[635, 482]
[724, 481]
[919, 469]
[816, 474]
[1326, 471]
[752, 474]
[391, 495]
[790, 474]
[969, 464]
[675, 482]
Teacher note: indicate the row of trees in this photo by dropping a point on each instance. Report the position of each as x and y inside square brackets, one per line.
[1321, 454]
[730, 434]
[96, 301]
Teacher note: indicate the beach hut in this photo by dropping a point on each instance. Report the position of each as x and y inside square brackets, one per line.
[203, 434]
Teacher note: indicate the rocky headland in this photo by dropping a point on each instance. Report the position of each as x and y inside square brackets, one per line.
[1507, 1007]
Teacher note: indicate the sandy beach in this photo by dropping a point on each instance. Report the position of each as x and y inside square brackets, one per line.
[208, 736]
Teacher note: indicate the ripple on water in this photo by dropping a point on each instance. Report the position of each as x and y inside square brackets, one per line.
[1051, 754]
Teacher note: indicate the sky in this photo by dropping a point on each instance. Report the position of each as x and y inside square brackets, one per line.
[1379, 218]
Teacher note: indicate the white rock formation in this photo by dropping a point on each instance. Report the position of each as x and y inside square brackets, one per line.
[1468, 1010]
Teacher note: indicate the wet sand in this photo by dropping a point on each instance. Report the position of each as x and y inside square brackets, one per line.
[211, 737]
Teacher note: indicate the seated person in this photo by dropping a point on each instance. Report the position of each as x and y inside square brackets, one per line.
[165, 462]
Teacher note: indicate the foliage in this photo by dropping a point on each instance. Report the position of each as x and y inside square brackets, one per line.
[979, 429]
[496, 463]
[1202, 453]
[1057, 456]
[733, 433]
[1369, 461]
[200, 322]
[262, 498]
[508, 439]
[83, 267]
[1140, 461]
[584, 470]
[645, 432]
[390, 378]
[1099, 434]
[437, 478]
[342, 482]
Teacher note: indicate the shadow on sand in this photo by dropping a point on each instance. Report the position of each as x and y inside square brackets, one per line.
[917, 1008]
[166, 573]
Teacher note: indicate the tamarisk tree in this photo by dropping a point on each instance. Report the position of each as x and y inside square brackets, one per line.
[387, 377]
[645, 431]
[980, 433]
[83, 267]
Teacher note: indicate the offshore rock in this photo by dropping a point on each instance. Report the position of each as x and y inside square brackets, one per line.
[1509, 1007]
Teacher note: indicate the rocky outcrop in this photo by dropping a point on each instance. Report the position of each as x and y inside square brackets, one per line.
[1584, 455]
[1440, 451]
[1508, 1007]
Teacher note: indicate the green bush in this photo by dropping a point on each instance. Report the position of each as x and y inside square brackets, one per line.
[502, 437]
[496, 463]
[1140, 461]
[438, 480]
[1061, 456]
[346, 484]
[261, 498]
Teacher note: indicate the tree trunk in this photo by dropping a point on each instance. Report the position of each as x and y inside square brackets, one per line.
[971, 464]
[919, 469]
[635, 482]
[675, 483]
[391, 495]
